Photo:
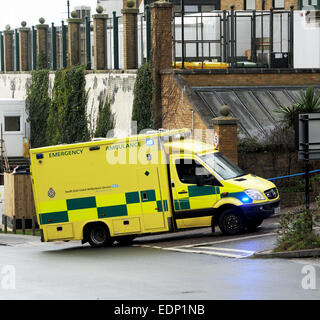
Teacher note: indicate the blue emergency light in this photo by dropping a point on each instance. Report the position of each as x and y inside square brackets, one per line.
[39, 156]
[246, 199]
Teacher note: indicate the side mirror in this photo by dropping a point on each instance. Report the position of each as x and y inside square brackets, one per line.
[200, 181]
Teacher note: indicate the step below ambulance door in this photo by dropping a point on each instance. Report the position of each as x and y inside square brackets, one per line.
[151, 199]
[194, 190]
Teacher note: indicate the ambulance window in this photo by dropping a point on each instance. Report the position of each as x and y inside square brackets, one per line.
[12, 124]
[188, 169]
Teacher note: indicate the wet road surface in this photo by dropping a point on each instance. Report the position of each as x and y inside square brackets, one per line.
[162, 267]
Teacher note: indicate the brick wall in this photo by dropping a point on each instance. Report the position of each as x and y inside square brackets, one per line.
[8, 51]
[177, 110]
[270, 165]
[161, 43]
[253, 79]
[130, 38]
[42, 39]
[74, 41]
[23, 45]
[226, 129]
[99, 41]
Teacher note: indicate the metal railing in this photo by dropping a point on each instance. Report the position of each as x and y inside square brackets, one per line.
[57, 44]
[291, 176]
[262, 38]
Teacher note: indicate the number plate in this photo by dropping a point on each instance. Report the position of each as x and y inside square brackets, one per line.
[277, 210]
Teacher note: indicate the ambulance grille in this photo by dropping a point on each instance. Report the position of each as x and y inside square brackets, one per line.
[271, 193]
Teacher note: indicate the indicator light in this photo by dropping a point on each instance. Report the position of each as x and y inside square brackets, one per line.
[39, 156]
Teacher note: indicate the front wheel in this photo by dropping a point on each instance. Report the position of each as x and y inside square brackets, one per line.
[231, 222]
[98, 236]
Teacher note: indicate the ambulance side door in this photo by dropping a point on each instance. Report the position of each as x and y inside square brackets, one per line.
[151, 199]
[192, 202]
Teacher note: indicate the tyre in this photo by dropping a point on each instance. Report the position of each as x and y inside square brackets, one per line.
[98, 236]
[125, 241]
[231, 222]
[253, 225]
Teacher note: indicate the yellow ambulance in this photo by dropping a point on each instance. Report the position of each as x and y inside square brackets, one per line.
[164, 181]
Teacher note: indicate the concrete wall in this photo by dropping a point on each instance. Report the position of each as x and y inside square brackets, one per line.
[118, 86]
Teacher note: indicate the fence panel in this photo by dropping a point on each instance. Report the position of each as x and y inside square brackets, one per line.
[109, 45]
[261, 38]
[121, 50]
[202, 36]
[141, 39]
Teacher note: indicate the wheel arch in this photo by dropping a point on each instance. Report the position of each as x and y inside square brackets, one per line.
[222, 208]
[86, 227]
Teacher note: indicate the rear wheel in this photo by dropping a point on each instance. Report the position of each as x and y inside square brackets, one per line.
[98, 236]
[253, 225]
[231, 222]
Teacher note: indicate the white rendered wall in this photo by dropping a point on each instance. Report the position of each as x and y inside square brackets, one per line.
[117, 86]
[306, 42]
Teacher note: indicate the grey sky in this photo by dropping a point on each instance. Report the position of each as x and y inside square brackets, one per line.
[31, 10]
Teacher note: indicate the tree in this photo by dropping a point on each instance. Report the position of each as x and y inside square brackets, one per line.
[67, 120]
[53, 124]
[105, 119]
[73, 124]
[37, 105]
[142, 103]
[308, 102]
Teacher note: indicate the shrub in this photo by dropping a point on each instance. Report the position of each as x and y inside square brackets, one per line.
[308, 102]
[295, 231]
[280, 139]
[42, 61]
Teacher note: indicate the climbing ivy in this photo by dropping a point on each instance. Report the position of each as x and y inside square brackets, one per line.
[42, 61]
[53, 128]
[142, 103]
[67, 121]
[37, 106]
[105, 119]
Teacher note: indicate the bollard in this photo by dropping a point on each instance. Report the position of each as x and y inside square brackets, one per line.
[14, 227]
[23, 225]
[34, 225]
[5, 224]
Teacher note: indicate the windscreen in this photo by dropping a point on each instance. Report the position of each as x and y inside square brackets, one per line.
[222, 166]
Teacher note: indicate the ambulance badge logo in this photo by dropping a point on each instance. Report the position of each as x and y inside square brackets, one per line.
[51, 193]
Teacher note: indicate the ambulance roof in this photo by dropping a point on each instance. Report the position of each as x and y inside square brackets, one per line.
[188, 146]
[164, 134]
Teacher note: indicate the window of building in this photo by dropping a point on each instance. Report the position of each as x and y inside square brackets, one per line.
[249, 4]
[278, 4]
[191, 8]
[208, 8]
[12, 124]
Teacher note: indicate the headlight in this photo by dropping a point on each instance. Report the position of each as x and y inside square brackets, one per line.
[254, 194]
